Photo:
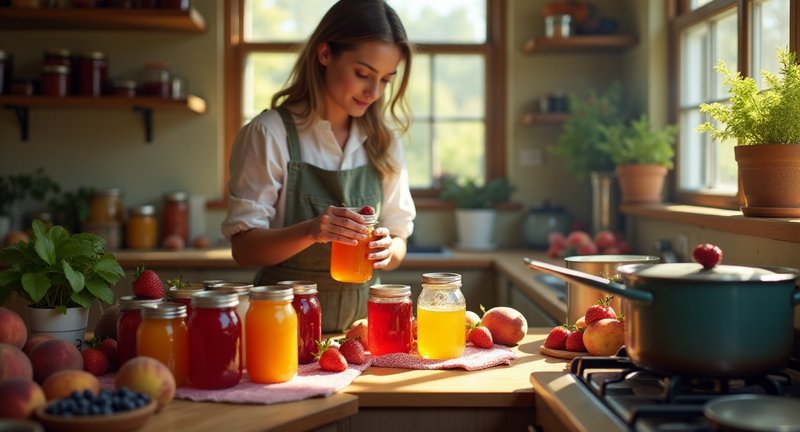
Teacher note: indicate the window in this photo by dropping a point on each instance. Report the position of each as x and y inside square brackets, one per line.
[457, 75]
[708, 32]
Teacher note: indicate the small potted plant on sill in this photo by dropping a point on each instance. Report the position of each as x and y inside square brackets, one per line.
[642, 156]
[475, 208]
[60, 275]
[766, 127]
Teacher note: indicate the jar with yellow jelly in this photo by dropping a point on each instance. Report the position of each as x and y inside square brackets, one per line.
[163, 335]
[141, 229]
[271, 335]
[350, 263]
[441, 314]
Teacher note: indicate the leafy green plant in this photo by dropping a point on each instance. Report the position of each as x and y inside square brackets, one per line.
[71, 208]
[469, 194]
[577, 145]
[57, 270]
[17, 187]
[636, 142]
[752, 117]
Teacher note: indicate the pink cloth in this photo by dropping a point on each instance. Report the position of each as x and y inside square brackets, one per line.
[472, 359]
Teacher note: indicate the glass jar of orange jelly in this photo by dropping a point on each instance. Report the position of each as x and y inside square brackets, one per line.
[271, 335]
[389, 318]
[163, 335]
[128, 325]
[350, 263]
[441, 316]
[141, 229]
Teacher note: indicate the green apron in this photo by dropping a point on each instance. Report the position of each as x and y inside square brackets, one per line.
[309, 191]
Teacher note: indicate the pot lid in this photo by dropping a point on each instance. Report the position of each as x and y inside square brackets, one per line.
[696, 272]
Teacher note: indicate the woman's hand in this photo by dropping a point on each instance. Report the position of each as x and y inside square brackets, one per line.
[339, 224]
[380, 248]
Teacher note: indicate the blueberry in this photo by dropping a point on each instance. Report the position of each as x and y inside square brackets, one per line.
[88, 394]
[75, 395]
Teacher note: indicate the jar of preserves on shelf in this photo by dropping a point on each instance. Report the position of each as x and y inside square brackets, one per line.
[157, 80]
[22, 87]
[389, 316]
[57, 57]
[124, 88]
[441, 313]
[215, 341]
[6, 71]
[128, 324]
[55, 81]
[175, 216]
[91, 72]
[271, 335]
[142, 228]
[106, 206]
[163, 335]
[309, 318]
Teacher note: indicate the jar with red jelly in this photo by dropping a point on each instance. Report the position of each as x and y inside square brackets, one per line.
[157, 80]
[183, 295]
[128, 324]
[91, 72]
[309, 318]
[215, 341]
[175, 216]
[55, 81]
[389, 314]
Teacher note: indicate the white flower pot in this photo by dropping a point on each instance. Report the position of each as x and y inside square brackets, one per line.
[475, 228]
[70, 327]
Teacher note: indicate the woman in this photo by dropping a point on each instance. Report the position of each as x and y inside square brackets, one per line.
[324, 146]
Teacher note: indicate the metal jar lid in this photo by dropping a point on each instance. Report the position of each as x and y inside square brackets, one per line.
[390, 290]
[176, 196]
[185, 292]
[211, 283]
[144, 210]
[57, 52]
[214, 300]
[272, 293]
[56, 69]
[300, 287]
[93, 55]
[125, 84]
[110, 192]
[133, 302]
[441, 278]
[164, 310]
[240, 288]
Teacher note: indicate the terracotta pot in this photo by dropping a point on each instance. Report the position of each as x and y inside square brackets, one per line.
[770, 177]
[641, 183]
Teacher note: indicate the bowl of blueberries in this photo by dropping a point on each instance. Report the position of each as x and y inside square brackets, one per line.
[118, 410]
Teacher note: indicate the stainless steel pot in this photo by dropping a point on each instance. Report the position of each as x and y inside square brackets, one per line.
[580, 297]
[730, 321]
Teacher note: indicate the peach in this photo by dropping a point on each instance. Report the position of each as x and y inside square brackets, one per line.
[507, 325]
[14, 363]
[359, 329]
[35, 340]
[52, 356]
[12, 328]
[21, 397]
[62, 383]
[148, 375]
[471, 320]
[604, 337]
[581, 322]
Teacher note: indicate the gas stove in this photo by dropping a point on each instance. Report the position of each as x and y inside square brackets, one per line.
[613, 394]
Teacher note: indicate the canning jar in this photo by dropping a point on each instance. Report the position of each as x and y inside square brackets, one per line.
[157, 80]
[6, 71]
[57, 57]
[215, 341]
[350, 263]
[175, 215]
[309, 318]
[163, 335]
[124, 88]
[241, 289]
[142, 228]
[271, 335]
[55, 80]
[106, 206]
[441, 311]
[183, 295]
[128, 324]
[389, 318]
[91, 72]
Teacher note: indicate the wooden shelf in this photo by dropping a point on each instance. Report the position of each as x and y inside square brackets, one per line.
[101, 19]
[143, 105]
[543, 118]
[580, 43]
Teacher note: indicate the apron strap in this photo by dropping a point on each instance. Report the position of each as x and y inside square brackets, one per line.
[291, 130]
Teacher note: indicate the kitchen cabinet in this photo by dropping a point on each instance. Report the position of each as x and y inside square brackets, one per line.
[24, 19]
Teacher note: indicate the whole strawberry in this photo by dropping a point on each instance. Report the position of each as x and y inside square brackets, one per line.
[481, 337]
[600, 310]
[575, 341]
[367, 211]
[353, 351]
[109, 347]
[557, 338]
[707, 255]
[147, 284]
[94, 361]
[329, 357]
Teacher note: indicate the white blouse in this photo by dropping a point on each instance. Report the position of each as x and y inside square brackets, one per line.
[258, 173]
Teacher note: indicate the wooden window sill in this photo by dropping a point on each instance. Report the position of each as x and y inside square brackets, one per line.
[732, 221]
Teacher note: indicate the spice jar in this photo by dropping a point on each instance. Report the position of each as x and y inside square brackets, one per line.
[441, 313]
[163, 335]
[271, 335]
[91, 72]
[6, 71]
[142, 228]
[350, 263]
[215, 341]
[157, 80]
[389, 318]
[128, 324]
[175, 216]
[106, 206]
[55, 80]
[241, 289]
[309, 318]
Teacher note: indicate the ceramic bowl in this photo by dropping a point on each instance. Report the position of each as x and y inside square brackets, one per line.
[120, 422]
[10, 425]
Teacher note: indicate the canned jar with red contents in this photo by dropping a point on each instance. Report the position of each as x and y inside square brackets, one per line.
[242, 289]
[215, 341]
[157, 80]
[128, 324]
[389, 317]
[183, 295]
[175, 216]
[91, 72]
[6, 71]
[309, 318]
[55, 81]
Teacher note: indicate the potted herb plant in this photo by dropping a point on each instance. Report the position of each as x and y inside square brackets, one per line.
[475, 208]
[16, 188]
[766, 127]
[60, 275]
[642, 156]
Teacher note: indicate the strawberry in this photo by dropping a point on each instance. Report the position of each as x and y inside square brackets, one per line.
[575, 341]
[707, 255]
[600, 311]
[353, 351]
[557, 338]
[94, 361]
[367, 211]
[481, 337]
[109, 347]
[147, 284]
[329, 357]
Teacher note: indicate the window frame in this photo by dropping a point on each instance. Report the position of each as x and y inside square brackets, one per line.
[494, 51]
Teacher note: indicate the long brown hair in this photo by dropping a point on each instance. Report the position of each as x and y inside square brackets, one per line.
[347, 24]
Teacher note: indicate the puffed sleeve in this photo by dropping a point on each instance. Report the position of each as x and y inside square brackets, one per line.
[397, 209]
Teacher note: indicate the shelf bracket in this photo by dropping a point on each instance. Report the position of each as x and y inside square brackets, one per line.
[147, 119]
[22, 113]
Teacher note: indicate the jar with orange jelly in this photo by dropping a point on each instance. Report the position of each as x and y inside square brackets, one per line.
[106, 206]
[389, 316]
[128, 324]
[350, 263]
[142, 228]
[215, 341]
[271, 335]
[163, 335]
